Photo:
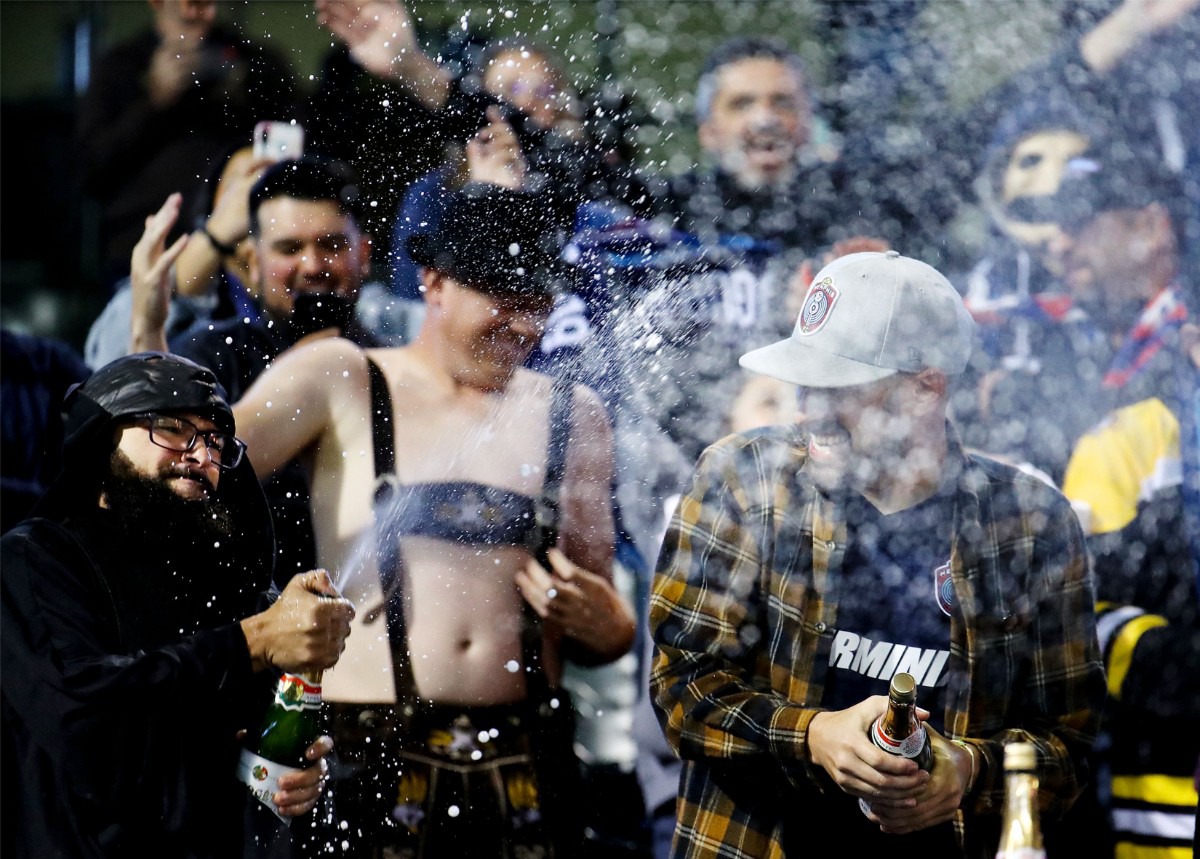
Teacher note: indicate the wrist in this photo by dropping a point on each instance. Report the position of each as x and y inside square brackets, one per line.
[252, 629]
[968, 770]
[222, 246]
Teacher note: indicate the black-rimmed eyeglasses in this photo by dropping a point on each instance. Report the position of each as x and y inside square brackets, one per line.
[179, 434]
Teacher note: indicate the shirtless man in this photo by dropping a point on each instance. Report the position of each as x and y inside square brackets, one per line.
[444, 642]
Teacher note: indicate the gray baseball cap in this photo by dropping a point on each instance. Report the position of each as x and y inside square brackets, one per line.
[867, 316]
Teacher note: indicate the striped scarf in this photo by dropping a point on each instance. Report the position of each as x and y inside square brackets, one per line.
[1166, 312]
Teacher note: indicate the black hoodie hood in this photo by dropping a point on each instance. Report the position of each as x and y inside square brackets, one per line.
[151, 382]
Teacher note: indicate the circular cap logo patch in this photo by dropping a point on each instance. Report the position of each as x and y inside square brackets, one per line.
[818, 304]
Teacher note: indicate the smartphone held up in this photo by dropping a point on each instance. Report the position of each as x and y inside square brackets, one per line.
[278, 141]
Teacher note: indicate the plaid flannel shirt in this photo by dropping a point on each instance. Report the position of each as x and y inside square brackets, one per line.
[745, 604]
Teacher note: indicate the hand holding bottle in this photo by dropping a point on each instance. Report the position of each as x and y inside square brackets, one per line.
[274, 763]
[838, 741]
[304, 630]
[299, 791]
[938, 798]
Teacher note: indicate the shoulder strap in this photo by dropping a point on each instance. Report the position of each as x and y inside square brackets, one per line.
[383, 442]
[544, 535]
[387, 550]
[381, 423]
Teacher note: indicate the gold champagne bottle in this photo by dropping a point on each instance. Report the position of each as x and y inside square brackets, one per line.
[1020, 831]
[898, 731]
[289, 727]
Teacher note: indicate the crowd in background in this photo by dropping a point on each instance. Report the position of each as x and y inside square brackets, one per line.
[1086, 166]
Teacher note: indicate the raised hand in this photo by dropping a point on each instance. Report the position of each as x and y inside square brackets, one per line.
[377, 32]
[150, 278]
[230, 219]
[382, 39]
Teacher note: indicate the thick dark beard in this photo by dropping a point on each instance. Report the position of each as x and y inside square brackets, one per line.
[174, 572]
[146, 507]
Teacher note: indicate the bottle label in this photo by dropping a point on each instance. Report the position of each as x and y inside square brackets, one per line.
[295, 693]
[1022, 853]
[909, 747]
[262, 777]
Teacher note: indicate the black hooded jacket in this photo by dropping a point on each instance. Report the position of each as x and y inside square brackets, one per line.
[126, 674]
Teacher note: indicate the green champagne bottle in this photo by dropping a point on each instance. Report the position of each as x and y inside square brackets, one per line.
[290, 726]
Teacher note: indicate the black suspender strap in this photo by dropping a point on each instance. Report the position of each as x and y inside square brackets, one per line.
[545, 535]
[548, 507]
[387, 546]
[382, 434]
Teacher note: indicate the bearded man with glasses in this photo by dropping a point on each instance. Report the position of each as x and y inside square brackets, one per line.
[135, 634]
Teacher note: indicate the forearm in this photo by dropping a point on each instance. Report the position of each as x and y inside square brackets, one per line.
[200, 262]
[710, 710]
[1109, 42]
[420, 75]
[711, 703]
[254, 632]
[146, 336]
[607, 638]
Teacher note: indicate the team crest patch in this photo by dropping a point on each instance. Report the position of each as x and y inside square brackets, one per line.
[818, 304]
[943, 588]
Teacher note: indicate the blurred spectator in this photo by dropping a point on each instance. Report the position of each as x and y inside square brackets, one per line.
[1034, 350]
[766, 203]
[763, 402]
[165, 105]
[35, 373]
[1134, 480]
[1121, 256]
[429, 103]
[1146, 756]
[1122, 72]
[307, 262]
[758, 204]
[211, 275]
[1127, 66]
[889, 104]
[535, 103]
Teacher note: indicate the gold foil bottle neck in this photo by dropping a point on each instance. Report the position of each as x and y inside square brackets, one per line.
[1020, 757]
[903, 688]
